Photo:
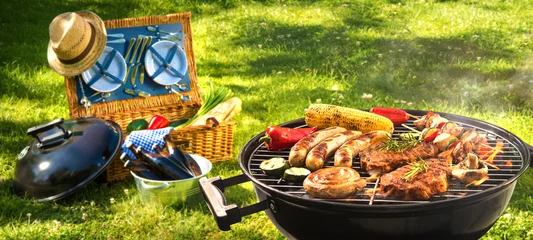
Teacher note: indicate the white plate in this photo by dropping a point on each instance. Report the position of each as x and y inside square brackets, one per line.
[104, 82]
[165, 74]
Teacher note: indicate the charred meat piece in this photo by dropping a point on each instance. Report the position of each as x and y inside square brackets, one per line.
[376, 160]
[420, 187]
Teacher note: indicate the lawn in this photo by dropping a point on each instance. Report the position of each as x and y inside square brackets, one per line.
[472, 58]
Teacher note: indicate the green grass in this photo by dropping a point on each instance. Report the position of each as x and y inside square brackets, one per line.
[466, 57]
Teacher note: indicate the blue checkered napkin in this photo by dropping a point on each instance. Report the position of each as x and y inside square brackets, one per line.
[146, 139]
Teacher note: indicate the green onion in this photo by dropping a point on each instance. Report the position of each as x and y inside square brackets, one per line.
[213, 98]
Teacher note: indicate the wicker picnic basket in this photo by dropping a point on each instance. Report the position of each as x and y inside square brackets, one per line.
[215, 144]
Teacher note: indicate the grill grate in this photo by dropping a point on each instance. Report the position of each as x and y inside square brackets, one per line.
[455, 190]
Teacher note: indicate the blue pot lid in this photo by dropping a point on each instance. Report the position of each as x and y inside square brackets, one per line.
[65, 157]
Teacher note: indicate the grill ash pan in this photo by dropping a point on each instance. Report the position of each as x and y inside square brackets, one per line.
[459, 213]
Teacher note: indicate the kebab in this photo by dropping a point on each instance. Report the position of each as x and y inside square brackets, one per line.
[454, 141]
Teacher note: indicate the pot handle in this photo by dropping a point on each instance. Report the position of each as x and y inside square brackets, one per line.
[51, 139]
[151, 187]
[226, 215]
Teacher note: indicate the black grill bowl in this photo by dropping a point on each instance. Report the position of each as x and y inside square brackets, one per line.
[300, 216]
[465, 220]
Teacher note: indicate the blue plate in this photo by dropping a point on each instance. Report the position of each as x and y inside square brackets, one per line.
[108, 73]
[165, 63]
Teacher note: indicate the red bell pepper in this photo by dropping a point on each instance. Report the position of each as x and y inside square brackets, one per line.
[453, 144]
[431, 136]
[278, 138]
[157, 122]
[397, 116]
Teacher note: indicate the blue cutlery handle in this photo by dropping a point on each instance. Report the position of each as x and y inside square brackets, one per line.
[115, 35]
[117, 41]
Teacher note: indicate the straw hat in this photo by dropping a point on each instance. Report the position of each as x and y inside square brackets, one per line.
[77, 39]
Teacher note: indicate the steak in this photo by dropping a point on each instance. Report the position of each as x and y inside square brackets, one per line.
[375, 160]
[420, 187]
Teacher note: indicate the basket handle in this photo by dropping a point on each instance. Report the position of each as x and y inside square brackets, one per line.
[226, 215]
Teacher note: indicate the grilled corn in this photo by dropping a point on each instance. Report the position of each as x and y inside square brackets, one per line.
[325, 115]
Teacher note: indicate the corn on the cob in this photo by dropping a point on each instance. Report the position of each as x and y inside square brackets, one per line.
[325, 115]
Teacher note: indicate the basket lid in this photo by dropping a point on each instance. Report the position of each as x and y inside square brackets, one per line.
[64, 156]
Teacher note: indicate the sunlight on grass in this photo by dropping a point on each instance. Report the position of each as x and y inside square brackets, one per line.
[471, 58]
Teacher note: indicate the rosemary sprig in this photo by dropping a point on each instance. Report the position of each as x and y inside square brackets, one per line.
[416, 168]
[390, 144]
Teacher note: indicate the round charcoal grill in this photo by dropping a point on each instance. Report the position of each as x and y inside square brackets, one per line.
[463, 213]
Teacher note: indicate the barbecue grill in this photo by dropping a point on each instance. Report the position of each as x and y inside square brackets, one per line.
[461, 213]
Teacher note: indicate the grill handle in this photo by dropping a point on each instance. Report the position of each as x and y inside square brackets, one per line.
[226, 215]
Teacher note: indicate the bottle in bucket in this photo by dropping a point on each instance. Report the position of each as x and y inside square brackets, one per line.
[133, 149]
[171, 169]
[177, 153]
[142, 170]
[172, 158]
[140, 159]
[139, 168]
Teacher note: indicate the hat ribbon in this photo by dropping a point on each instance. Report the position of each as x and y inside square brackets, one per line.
[85, 51]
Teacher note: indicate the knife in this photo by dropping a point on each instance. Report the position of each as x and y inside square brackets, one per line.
[141, 80]
[132, 42]
[137, 45]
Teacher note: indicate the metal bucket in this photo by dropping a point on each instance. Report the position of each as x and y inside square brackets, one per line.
[178, 192]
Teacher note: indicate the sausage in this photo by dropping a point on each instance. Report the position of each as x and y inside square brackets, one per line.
[334, 183]
[301, 148]
[345, 154]
[317, 156]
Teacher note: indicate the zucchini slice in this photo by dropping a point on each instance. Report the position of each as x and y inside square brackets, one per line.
[296, 174]
[274, 166]
[409, 135]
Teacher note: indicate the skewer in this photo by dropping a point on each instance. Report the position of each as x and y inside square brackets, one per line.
[280, 179]
[372, 178]
[490, 164]
[413, 116]
[374, 193]
[410, 128]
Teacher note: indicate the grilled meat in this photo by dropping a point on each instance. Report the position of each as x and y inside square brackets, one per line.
[376, 160]
[421, 187]
[345, 154]
[429, 120]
